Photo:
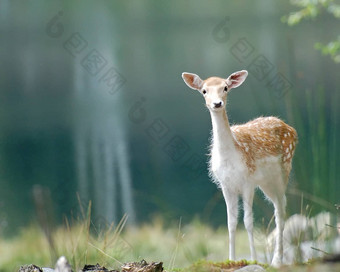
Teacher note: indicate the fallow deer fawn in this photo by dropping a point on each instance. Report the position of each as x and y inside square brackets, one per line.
[243, 157]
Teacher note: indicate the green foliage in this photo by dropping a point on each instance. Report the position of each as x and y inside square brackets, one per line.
[310, 9]
[332, 49]
[316, 160]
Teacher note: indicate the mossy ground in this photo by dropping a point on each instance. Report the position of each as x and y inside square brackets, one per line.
[226, 266]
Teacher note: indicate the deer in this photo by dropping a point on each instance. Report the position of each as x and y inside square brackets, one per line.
[244, 157]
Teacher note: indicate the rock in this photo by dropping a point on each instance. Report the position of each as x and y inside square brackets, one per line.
[296, 230]
[96, 268]
[62, 265]
[143, 266]
[333, 258]
[47, 269]
[305, 238]
[251, 268]
[30, 268]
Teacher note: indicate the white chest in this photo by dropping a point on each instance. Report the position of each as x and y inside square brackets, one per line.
[227, 167]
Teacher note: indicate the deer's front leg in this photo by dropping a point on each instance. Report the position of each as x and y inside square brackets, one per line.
[231, 200]
[248, 197]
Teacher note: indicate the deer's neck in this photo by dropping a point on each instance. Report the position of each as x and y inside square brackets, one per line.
[222, 136]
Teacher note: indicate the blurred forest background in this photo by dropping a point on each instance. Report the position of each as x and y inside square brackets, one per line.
[92, 102]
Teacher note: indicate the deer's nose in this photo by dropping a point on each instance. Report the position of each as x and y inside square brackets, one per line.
[218, 104]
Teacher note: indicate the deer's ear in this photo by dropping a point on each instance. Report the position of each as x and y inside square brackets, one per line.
[236, 79]
[193, 81]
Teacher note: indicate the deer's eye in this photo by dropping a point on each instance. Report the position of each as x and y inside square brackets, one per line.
[226, 88]
[204, 92]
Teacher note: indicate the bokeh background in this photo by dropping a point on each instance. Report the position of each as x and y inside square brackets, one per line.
[93, 106]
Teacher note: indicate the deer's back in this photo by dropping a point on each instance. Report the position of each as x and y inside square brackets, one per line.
[264, 137]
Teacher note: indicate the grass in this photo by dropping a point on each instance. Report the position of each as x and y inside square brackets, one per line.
[192, 247]
[176, 246]
[180, 247]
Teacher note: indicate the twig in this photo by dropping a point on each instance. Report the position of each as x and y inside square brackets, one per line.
[320, 250]
[332, 226]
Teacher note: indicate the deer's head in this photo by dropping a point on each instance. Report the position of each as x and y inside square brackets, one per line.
[215, 89]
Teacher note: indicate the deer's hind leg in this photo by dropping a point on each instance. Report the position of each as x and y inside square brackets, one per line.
[280, 207]
[276, 193]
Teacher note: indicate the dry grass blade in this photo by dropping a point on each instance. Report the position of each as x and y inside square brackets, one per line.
[104, 253]
[174, 256]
